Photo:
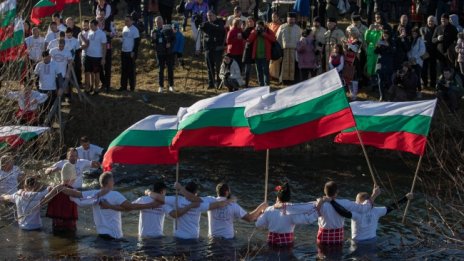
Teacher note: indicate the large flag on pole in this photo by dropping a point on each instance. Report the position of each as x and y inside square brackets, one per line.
[299, 113]
[7, 14]
[43, 9]
[14, 136]
[145, 142]
[12, 41]
[391, 125]
[217, 121]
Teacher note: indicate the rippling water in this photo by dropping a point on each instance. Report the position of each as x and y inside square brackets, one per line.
[244, 171]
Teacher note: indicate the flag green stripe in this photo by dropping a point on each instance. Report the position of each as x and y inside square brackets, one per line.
[16, 40]
[44, 3]
[418, 124]
[8, 17]
[219, 117]
[299, 114]
[144, 138]
[28, 135]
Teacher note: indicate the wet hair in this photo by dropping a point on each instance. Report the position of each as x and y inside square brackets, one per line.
[284, 193]
[85, 139]
[45, 53]
[159, 186]
[330, 189]
[221, 189]
[191, 187]
[30, 182]
[105, 178]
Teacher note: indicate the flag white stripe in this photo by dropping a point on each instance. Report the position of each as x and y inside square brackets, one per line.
[16, 130]
[295, 94]
[7, 6]
[371, 108]
[156, 122]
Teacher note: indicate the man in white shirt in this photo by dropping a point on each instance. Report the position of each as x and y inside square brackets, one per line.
[80, 164]
[46, 71]
[10, 175]
[28, 102]
[95, 49]
[108, 222]
[55, 42]
[62, 57]
[237, 14]
[35, 46]
[71, 43]
[89, 151]
[129, 50]
[56, 18]
[52, 34]
[188, 225]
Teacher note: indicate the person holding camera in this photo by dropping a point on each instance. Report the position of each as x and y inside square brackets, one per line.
[230, 74]
[261, 39]
[213, 43]
[198, 8]
[163, 38]
[405, 84]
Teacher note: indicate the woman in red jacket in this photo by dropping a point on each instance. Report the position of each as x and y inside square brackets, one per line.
[235, 42]
[262, 38]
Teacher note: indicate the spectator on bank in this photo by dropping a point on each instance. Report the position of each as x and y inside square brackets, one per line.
[230, 74]
[444, 37]
[306, 53]
[352, 71]
[237, 14]
[213, 43]
[163, 38]
[247, 6]
[337, 59]
[199, 9]
[415, 55]
[319, 36]
[386, 49]
[150, 7]
[107, 27]
[274, 66]
[405, 84]
[129, 53]
[450, 89]
[261, 39]
[179, 44]
[429, 67]
[103, 8]
[333, 36]
[235, 42]
[403, 45]
[247, 58]
[288, 36]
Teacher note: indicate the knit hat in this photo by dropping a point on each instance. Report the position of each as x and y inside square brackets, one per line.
[68, 172]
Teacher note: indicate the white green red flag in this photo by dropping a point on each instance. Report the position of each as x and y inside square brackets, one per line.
[44, 8]
[7, 14]
[217, 121]
[15, 136]
[146, 142]
[12, 41]
[400, 126]
[299, 113]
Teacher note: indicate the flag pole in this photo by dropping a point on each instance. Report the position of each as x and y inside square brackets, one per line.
[367, 158]
[177, 193]
[412, 187]
[266, 177]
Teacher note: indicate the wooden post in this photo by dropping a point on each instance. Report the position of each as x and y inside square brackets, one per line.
[367, 158]
[266, 177]
[412, 187]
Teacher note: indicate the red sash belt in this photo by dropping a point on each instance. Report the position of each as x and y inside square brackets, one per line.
[330, 236]
[280, 239]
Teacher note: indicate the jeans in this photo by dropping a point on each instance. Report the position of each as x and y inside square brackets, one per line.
[262, 70]
[213, 61]
[166, 60]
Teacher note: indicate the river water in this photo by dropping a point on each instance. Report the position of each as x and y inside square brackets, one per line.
[244, 171]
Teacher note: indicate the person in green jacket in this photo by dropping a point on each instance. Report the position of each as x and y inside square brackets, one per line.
[371, 38]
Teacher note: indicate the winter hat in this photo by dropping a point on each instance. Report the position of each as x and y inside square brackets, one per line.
[68, 172]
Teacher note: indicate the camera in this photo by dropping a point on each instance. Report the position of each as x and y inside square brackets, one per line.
[197, 19]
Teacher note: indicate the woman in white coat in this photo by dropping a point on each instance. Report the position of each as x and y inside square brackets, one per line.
[416, 53]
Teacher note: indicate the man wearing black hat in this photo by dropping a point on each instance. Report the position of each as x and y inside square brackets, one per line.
[444, 37]
[333, 36]
[288, 36]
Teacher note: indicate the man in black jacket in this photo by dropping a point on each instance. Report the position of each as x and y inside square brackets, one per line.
[213, 43]
[444, 37]
[163, 38]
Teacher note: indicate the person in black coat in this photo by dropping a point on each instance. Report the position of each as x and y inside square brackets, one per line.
[214, 34]
[163, 38]
[386, 49]
[429, 68]
[444, 37]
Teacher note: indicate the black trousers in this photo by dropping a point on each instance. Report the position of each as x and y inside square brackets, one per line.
[213, 61]
[166, 13]
[49, 102]
[429, 70]
[78, 66]
[105, 74]
[166, 60]
[127, 71]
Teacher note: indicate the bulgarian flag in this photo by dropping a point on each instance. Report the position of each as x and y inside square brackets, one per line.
[391, 125]
[43, 9]
[7, 15]
[15, 136]
[145, 142]
[217, 121]
[299, 113]
[12, 42]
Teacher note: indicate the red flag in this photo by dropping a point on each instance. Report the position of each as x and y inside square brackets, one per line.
[42, 9]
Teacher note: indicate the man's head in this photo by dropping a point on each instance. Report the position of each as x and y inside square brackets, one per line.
[275, 17]
[46, 57]
[237, 11]
[211, 16]
[431, 21]
[106, 180]
[222, 190]
[227, 59]
[331, 23]
[404, 20]
[291, 18]
[159, 22]
[260, 25]
[61, 35]
[85, 25]
[85, 142]
[69, 33]
[53, 27]
[70, 22]
[6, 163]
[160, 187]
[68, 173]
[35, 32]
[445, 19]
[72, 155]
[378, 18]
[30, 183]
[447, 73]
[331, 189]
[317, 22]
[128, 20]
[56, 18]
[93, 25]
[361, 197]
[192, 187]
[61, 44]
[101, 2]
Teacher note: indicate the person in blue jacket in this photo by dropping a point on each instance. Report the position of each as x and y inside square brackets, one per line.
[179, 44]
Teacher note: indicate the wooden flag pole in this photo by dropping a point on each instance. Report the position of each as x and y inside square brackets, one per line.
[266, 177]
[412, 187]
[367, 158]
[177, 193]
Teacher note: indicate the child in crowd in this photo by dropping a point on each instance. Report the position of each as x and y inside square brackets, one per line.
[337, 59]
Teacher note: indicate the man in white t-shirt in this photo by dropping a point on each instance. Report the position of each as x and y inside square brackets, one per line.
[46, 71]
[52, 34]
[89, 151]
[71, 43]
[62, 57]
[108, 222]
[95, 49]
[10, 175]
[129, 50]
[221, 220]
[55, 42]
[35, 46]
[80, 164]
[188, 225]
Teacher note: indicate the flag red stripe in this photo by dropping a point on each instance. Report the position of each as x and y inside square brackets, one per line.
[404, 141]
[13, 53]
[12, 140]
[305, 132]
[41, 12]
[214, 137]
[139, 155]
